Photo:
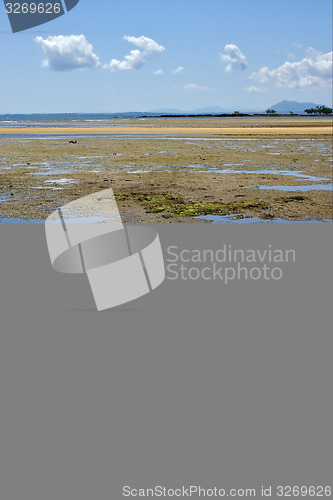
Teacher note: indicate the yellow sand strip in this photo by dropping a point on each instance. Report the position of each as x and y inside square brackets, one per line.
[167, 131]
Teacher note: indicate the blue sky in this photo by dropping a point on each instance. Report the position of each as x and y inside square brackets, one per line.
[235, 54]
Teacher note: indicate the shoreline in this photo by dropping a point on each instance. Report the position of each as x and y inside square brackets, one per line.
[282, 130]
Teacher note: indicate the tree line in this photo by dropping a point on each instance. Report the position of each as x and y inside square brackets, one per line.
[319, 110]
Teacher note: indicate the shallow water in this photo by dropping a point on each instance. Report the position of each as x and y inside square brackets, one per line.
[90, 219]
[296, 174]
[79, 220]
[60, 181]
[242, 219]
[51, 169]
[265, 171]
[89, 157]
[17, 220]
[311, 187]
[7, 198]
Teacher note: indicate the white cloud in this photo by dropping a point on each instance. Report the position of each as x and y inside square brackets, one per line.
[315, 70]
[252, 88]
[158, 72]
[65, 53]
[193, 87]
[234, 57]
[180, 69]
[136, 58]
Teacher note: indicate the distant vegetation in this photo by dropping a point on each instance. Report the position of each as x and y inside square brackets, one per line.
[271, 111]
[319, 110]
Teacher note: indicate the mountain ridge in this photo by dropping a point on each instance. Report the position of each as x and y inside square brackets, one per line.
[286, 107]
[283, 107]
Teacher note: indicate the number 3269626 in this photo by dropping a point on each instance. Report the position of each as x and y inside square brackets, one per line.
[33, 8]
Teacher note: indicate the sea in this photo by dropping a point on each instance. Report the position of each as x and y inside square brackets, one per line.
[52, 119]
[95, 119]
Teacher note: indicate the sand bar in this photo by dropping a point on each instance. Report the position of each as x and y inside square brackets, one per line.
[168, 131]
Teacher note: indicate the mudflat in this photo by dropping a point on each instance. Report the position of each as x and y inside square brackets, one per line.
[198, 126]
[172, 170]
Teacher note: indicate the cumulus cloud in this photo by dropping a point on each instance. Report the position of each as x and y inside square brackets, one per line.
[136, 58]
[193, 87]
[66, 53]
[158, 72]
[314, 71]
[234, 57]
[253, 88]
[180, 69]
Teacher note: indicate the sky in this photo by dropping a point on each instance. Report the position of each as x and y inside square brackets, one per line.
[128, 55]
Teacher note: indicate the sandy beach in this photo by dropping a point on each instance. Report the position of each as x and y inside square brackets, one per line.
[189, 126]
[169, 131]
[172, 170]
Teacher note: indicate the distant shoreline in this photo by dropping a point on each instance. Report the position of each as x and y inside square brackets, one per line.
[245, 130]
[138, 115]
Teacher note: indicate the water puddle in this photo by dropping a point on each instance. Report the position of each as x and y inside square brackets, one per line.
[200, 168]
[162, 168]
[233, 165]
[89, 157]
[139, 171]
[17, 220]
[311, 187]
[154, 168]
[7, 198]
[296, 174]
[54, 170]
[62, 181]
[81, 220]
[243, 219]
[51, 188]
[91, 219]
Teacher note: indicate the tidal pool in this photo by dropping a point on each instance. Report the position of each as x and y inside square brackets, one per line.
[303, 189]
[243, 219]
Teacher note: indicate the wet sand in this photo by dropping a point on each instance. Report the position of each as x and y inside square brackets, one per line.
[322, 129]
[269, 175]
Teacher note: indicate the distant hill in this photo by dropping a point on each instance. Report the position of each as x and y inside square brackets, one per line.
[285, 107]
[282, 108]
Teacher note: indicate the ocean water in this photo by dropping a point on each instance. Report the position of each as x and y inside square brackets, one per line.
[54, 119]
[51, 119]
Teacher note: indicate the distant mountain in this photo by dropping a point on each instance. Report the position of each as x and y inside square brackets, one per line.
[285, 107]
[282, 108]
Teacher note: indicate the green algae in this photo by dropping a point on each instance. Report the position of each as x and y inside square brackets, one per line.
[171, 205]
